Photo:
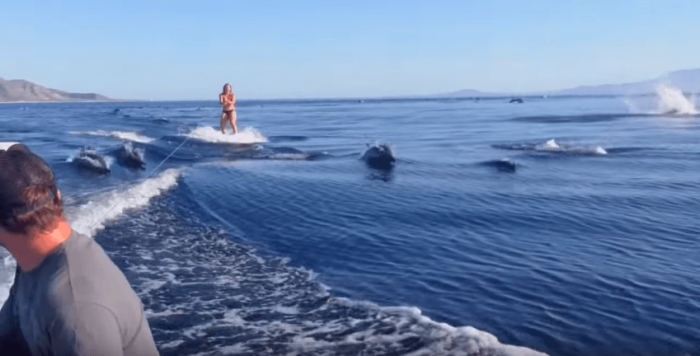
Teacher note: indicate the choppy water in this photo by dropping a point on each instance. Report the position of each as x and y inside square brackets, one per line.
[567, 226]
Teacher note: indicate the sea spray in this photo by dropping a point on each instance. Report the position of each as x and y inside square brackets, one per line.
[672, 101]
[632, 106]
[248, 135]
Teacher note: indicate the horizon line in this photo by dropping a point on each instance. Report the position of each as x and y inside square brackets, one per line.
[484, 94]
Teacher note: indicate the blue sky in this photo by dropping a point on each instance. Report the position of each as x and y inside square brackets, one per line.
[173, 50]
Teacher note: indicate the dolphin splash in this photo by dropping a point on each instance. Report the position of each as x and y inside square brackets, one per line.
[90, 159]
[131, 157]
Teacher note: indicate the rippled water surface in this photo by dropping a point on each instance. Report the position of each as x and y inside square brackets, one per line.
[568, 226]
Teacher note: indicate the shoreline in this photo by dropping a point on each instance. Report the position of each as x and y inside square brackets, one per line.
[399, 98]
[72, 102]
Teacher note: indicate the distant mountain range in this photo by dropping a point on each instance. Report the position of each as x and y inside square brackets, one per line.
[686, 80]
[22, 90]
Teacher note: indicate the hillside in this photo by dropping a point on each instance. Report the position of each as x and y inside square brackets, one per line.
[686, 80]
[23, 91]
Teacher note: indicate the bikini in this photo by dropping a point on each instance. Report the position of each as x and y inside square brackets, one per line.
[229, 112]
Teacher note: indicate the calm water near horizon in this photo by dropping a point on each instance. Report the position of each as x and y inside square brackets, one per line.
[567, 226]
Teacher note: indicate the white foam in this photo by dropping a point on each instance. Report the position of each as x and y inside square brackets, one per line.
[448, 340]
[550, 145]
[311, 322]
[7, 275]
[632, 106]
[91, 217]
[122, 135]
[5, 291]
[6, 145]
[554, 146]
[172, 344]
[672, 100]
[285, 310]
[471, 341]
[232, 350]
[210, 134]
[139, 152]
[289, 156]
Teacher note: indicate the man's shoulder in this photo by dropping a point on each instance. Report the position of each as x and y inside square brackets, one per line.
[81, 268]
[92, 275]
[86, 279]
[83, 253]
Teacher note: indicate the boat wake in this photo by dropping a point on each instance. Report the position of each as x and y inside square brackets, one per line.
[88, 215]
[206, 294]
[91, 217]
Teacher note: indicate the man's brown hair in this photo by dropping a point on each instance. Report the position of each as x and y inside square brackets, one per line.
[29, 199]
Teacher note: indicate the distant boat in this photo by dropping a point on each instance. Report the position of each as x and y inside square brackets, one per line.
[516, 100]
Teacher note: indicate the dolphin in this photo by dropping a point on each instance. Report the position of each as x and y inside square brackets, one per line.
[380, 156]
[131, 157]
[89, 159]
[502, 165]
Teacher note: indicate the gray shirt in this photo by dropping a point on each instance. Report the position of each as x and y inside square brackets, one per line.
[77, 302]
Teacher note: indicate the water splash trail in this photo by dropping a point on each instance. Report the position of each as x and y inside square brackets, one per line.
[672, 101]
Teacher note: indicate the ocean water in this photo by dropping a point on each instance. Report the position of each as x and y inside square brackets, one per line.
[563, 226]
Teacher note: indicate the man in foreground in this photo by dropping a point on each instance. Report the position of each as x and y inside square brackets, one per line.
[68, 297]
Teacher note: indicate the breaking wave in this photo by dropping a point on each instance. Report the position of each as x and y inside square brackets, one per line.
[91, 217]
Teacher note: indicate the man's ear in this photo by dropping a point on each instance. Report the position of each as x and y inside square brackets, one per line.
[58, 194]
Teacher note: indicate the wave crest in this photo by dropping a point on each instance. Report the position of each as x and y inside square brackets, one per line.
[91, 217]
